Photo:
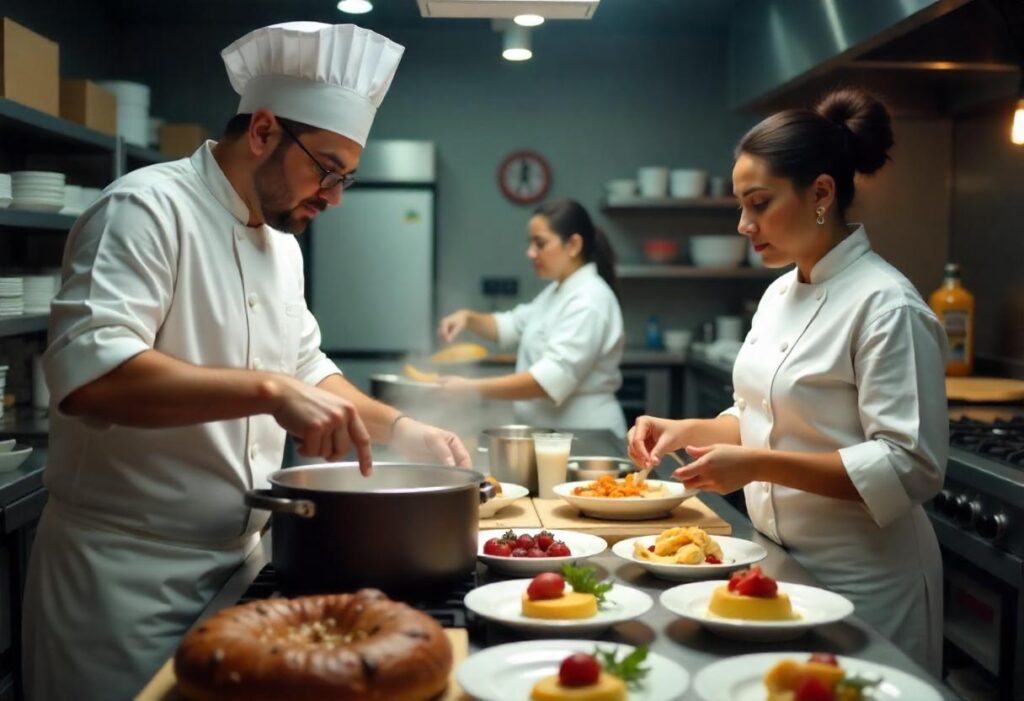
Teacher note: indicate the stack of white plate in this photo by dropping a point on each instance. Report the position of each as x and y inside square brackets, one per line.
[132, 110]
[37, 190]
[12, 303]
[3, 385]
[39, 290]
[5, 190]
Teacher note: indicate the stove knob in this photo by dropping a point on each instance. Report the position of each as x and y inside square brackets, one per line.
[967, 512]
[992, 527]
[943, 502]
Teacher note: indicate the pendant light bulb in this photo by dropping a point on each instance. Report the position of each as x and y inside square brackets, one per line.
[1017, 132]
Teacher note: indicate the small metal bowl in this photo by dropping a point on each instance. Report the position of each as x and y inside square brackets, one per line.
[591, 467]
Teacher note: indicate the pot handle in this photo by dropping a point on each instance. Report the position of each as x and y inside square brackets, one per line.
[261, 499]
[486, 492]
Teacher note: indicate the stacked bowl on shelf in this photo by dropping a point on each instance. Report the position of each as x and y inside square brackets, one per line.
[132, 110]
[37, 190]
[39, 290]
[12, 302]
[5, 191]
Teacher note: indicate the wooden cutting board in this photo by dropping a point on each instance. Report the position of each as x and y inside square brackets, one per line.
[984, 389]
[163, 687]
[555, 513]
[518, 514]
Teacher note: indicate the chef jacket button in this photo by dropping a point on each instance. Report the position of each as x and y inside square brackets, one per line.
[782, 290]
[764, 405]
[253, 300]
[753, 338]
[784, 347]
[252, 451]
[741, 403]
[820, 294]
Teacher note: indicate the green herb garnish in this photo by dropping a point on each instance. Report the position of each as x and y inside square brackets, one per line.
[584, 580]
[857, 686]
[627, 669]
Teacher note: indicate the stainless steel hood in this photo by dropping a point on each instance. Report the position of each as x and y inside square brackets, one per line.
[924, 56]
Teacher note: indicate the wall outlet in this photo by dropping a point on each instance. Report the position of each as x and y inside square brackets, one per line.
[500, 286]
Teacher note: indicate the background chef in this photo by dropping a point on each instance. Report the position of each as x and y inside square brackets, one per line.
[182, 351]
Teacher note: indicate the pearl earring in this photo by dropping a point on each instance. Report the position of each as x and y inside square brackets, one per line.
[821, 215]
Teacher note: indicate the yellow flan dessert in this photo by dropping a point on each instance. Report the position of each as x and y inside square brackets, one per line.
[727, 604]
[570, 605]
[783, 680]
[607, 688]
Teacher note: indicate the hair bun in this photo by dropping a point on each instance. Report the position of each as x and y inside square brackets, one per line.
[867, 120]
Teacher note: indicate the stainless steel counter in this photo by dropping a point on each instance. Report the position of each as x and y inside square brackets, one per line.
[680, 640]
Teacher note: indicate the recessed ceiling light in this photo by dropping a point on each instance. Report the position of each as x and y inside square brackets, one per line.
[355, 7]
[528, 20]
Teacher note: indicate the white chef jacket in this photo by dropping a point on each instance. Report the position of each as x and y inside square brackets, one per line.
[164, 260]
[853, 361]
[571, 338]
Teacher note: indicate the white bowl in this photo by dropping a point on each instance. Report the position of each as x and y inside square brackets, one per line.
[13, 459]
[621, 188]
[581, 545]
[741, 678]
[509, 493]
[813, 606]
[508, 672]
[626, 508]
[653, 181]
[677, 340]
[688, 182]
[501, 602]
[717, 251]
[736, 554]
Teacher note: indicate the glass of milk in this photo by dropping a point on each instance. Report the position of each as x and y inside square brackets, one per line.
[552, 451]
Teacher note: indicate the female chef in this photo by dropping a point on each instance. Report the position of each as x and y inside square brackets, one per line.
[570, 336]
[839, 429]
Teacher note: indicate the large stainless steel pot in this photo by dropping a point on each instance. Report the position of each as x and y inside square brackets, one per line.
[405, 527]
[511, 456]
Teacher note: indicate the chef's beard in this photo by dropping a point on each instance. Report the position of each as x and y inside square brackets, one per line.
[275, 195]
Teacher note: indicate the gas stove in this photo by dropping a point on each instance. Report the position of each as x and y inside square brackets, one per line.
[1000, 439]
[446, 607]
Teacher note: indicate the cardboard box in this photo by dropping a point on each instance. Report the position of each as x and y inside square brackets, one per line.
[29, 68]
[86, 103]
[181, 140]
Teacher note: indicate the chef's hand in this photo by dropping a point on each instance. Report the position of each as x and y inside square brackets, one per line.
[419, 441]
[325, 425]
[457, 386]
[452, 325]
[651, 437]
[720, 468]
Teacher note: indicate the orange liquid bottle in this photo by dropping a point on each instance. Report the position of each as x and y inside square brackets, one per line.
[954, 306]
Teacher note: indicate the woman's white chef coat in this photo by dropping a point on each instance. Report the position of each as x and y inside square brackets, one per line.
[166, 261]
[854, 361]
[571, 338]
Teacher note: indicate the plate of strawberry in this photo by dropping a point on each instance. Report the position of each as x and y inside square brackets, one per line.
[528, 551]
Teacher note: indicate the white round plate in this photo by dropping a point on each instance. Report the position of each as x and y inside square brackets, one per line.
[509, 493]
[508, 672]
[814, 606]
[501, 602]
[626, 508]
[581, 545]
[37, 205]
[737, 554]
[742, 678]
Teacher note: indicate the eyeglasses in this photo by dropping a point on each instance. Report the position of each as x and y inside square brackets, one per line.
[328, 178]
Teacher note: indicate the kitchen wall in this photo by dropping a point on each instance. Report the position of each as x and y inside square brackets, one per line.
[988, 227]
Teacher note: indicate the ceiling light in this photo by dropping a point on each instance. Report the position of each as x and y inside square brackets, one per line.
[528, 20]
[517, 44]
[355, 7]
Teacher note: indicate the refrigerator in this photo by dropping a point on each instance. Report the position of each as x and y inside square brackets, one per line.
[371, 262]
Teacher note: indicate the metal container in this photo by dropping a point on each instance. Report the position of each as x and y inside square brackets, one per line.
[592, 467]
[511, 455]
[405, 527]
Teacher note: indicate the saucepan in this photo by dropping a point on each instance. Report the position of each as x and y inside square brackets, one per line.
[510, 454]
[405, 527]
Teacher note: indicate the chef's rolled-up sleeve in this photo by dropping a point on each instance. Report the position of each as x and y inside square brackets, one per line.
[510, 324]
[118, 284]
[313, 364]
[571, 350]
[899, 363]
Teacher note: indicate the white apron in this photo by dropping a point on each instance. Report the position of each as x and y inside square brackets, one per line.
[144, 525]
[854, 361]
[571, 338]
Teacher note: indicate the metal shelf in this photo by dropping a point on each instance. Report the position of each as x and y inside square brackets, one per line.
[25, 323]
[640, 271]
[28, 129]
[721, 204]
[24, 219]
